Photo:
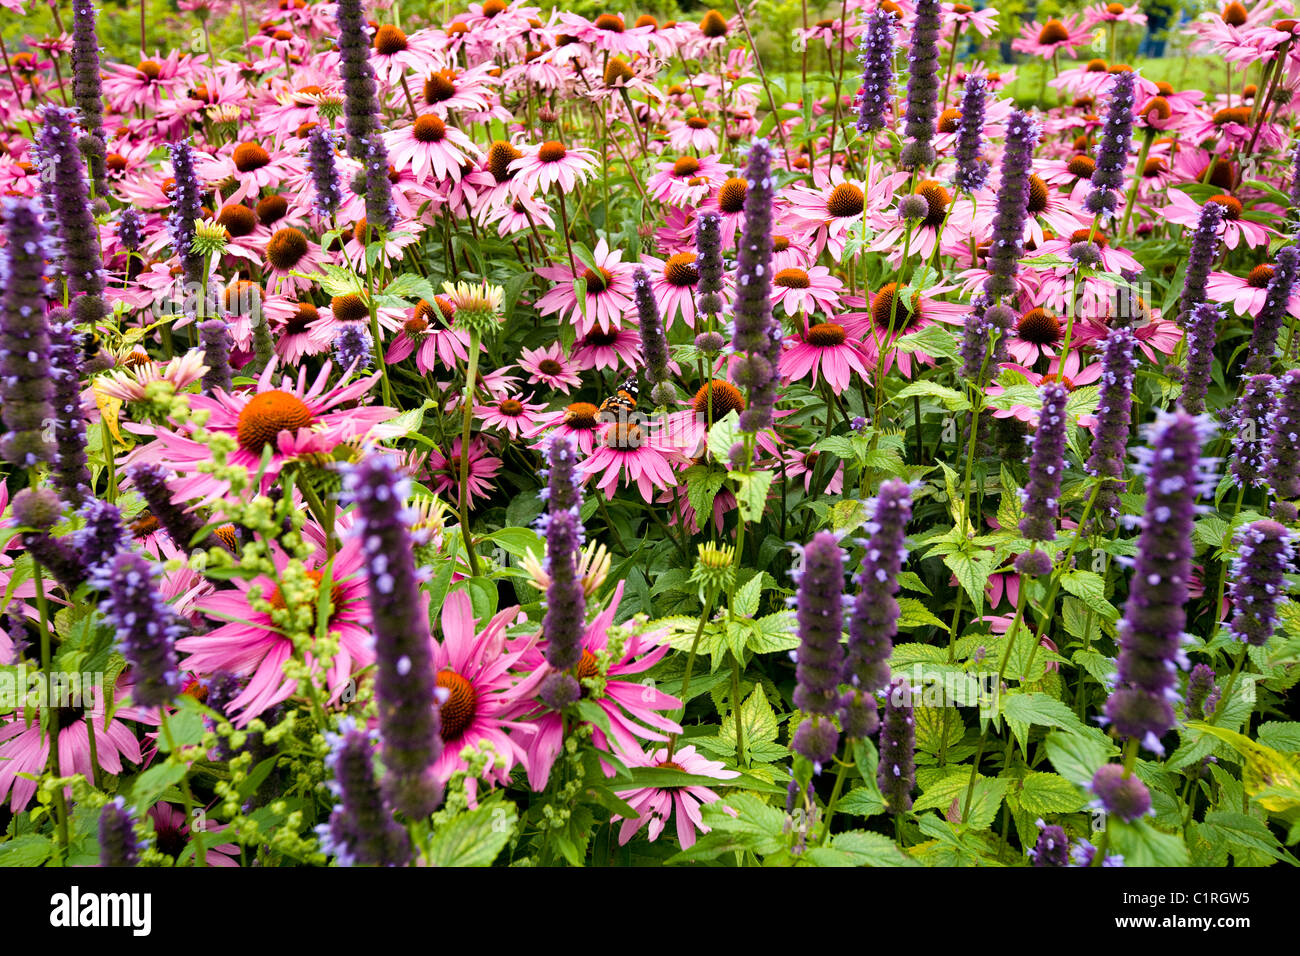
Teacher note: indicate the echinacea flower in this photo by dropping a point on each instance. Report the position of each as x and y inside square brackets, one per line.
[444, 470]
[656, 805]
[823, 349]
[552, 164]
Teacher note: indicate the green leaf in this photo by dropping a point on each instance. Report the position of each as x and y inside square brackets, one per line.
[474, 838]
[1038, 708]
[755, 827]
[862, 801]
[751, 492]
[723, 435]
[914, 613]
[154, 782]
[745, 601]
[950, 398]
[862, 848]
[1141, 844]
[1076, 757]
[1244, 832]
[759, 718]
[972, 571]
[30, 849]
[1049, 793]
[1090, 588]
[934, 340]
[702, 486]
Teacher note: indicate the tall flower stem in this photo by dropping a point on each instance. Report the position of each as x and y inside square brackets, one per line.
[471, 375]
[200, 852]
[51, 729]
[1147, 139]
[690, 667]
[767, 87]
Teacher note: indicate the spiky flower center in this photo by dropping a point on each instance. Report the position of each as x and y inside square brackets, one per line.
[582, 415]
[611, 22]
[826, 335]
[713, 25]
[1039, 327]
[937, 199]
[792, 278]
[552, 152]
[1038, 195]
[429, 128]
[1114, 9]
[272, 209]
[731, 197]
[617, 71]
[1096, 66]
[780, 243]
[500, 155]
[149, 69]
[597, 280]
[286, 248]
[697, 122]
[1260, 277]
[239, 220]
[1053, 31]
[846, 201]
[300, 320]
[350, 307]
[549, 367]
[266, 415]
[1233, 114]
[1158, 105]
[389, 40]
[511, 407]
[250, 156]
[461, 705]
[949, 120]
[440, 86]
[623, 436]
[883, 306]
[1231, 206]
[1155, 166]
[1082, 235]
[717, 399]
[680, 270]
[1234, 15]
[686, 166]
[1082, 166]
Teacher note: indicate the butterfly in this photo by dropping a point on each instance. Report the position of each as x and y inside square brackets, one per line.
[622, 403]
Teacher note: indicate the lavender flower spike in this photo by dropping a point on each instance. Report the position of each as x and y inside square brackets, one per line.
[821, 656]
[873, 620]
[62, 163]
[71, 474]
[1203, 250]
[1202, 332]
[1042, 495]
[361, 830]
[1248, 423]
[324, 171]
[118, 845]
[1282, 455]
[215, 338]
[922, 87]
[896, 772]
[146, 627]
[754, 332]
[654, 344]
[1263, 337]
[405, 686]
[565, 617]
[1151, 633]
[1113, 148]
[877, 58]
[972, 170]
[1264, 553]
[708, 261]
[187, 207]
[1200, 692]
[1012, 205]
[87, 92]
[25, 386]
[1114, 423]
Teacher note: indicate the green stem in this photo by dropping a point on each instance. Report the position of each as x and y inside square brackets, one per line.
[471, 375]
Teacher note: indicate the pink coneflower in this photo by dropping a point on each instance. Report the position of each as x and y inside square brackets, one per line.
[579, 422]
[608, 33]
[463, 91]
[655, 805]
[484, 694]
[511, 415]
[686, 181]
[393, 53]
[25, 749]
[298, 329]
[1049, 208]
[1113, 13]
[694, 132]
[821, 218]
[1052, 37]
[444, 471]
[618, 348]
[292, 419]
[131, 384]
[1185, 211]
[673, 282]
[1039, 332]
[549, 366]
[823, 349]
[251, 645]
[430, 148]
[871, 327]
[806, 290]
[252, 166]
[128, 88]
[1247, 295]
[290, 251]
[638, 454]
[951, 218]
[1074, 376]
[552, 163]
[963, 16]
[631, 708]
[609, 291]
[803, 464]
[515, 216]
[171, 837]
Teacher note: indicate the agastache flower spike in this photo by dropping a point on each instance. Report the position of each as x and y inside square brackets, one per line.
[1201, 336]
[129, 231]
[821, 656]
[78, 234]
[324, 171]
[972, 171]
[1042, 495]
[405, 686]
[1012, 205]
[26, 389]
[87, 92]
[1113, 148]
[187, 207]
[1282, 456]
[1201, 253]
[1248, 425]
[71, 474]
[361, 829]
[1052, 848]
[566, 603]
[896, 771]
[215, 339]
[922, 87]
[708, 262]
[654, 345]
[39, 508]
[755, 334]
[146, 627]
[1114, 423]
[103, 536]
[360, 105]
[1200, 688]
[150, 480]
[877, 58]
[1151, 633]
[1263, 336]
[118, 845]
[353, 347]
[1264, 553]
[873, 620]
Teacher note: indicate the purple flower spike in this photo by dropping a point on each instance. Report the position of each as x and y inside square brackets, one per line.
[972, 170]
[1264, 553]
[566, 605]
[1114, 424]
[1113, 148]
[1052, 848]
[1203, 250]
[404, 679]
[1282, 455]
[1151, 633]
[754, 332]
[896, 772]
[118, 845]
[1125, 797]
[1248, 424]
[146, 627]
[1042, 496]
[821, 656]
[361, 830]
[877, 58]
[1012, 205]
[26, 389]
[1263, 336]
[922, 87]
